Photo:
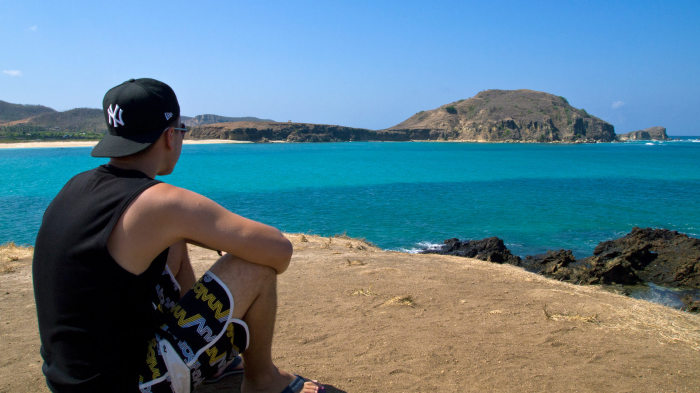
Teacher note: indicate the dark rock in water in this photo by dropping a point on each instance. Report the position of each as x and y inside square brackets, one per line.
[491, 249]
[659, 256]
[691, 303]
[656, 258]
[551, 264]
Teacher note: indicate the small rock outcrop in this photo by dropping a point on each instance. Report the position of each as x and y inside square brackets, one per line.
[555, 264]
[491, 249]
[649, 134]
[658, 256]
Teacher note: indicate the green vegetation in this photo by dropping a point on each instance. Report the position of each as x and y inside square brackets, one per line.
[24, 132]
[564, 99]
[451, 110]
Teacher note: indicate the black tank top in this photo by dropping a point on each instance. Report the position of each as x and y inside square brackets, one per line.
[94, 317]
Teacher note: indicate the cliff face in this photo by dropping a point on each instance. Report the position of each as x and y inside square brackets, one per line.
[510, 116]
[295, 132]
[648, 134]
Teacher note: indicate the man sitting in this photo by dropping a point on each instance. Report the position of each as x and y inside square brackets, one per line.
[118, 306]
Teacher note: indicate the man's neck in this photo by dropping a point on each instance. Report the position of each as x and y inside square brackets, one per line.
[141, 164]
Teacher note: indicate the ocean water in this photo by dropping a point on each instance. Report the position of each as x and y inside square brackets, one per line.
[406, 195]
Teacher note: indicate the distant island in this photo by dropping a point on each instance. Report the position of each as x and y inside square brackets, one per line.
[489, 116]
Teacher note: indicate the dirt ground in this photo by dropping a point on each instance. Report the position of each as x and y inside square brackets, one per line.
[359, 319]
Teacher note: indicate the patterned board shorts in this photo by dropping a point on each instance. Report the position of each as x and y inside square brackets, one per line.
[198, 336]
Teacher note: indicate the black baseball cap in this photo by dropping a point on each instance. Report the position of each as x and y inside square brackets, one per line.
[137, 112]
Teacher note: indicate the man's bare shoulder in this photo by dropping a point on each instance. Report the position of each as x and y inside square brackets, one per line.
[165, 204]
[168, 196]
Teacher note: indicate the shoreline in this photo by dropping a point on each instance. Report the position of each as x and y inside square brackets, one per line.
[40, 144]
[90, 143]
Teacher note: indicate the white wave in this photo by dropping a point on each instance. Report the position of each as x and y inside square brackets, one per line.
[420, 247]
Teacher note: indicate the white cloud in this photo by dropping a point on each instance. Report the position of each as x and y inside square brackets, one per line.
[33, 28]
[13, 73]
[618, 104]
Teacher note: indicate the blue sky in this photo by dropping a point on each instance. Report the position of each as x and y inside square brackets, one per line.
[368, 64]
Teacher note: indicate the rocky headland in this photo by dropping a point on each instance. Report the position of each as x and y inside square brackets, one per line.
[510, 116]
[657, 133]
[644, 255]
[266, 131]
[490, 116]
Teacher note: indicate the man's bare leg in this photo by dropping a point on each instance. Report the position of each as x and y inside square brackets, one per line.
[254, 289]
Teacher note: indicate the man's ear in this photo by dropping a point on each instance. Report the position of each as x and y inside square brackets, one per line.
[169, 138]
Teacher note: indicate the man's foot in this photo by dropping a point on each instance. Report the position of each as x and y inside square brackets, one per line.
[283, 382]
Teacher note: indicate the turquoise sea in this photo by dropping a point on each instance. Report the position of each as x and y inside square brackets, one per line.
[406, 195]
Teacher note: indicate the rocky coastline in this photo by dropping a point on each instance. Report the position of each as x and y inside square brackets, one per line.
[657, 133]
[503, 116]
[644, 256]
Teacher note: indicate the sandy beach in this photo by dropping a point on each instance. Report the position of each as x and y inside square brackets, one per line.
[27, 145]
[360, 319]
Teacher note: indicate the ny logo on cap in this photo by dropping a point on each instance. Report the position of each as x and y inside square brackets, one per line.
[114, 116]
[168, 115]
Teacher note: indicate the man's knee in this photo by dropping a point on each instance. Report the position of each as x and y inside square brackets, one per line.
[237, 273]
[246, 281]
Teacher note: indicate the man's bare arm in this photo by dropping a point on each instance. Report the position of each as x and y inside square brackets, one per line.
[164, 215]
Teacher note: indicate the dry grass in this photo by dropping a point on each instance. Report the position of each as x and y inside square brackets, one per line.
[406, 300]
[355, 262]
[570, 316]
[682, 328]
[11, 256]
[363, 292]
[304, 241]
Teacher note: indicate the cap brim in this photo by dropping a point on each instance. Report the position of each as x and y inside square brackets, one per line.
[117, 146]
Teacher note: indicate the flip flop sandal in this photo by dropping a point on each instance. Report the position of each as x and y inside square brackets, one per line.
[298, 384]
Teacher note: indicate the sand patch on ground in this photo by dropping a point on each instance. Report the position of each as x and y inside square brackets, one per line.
[364, 320]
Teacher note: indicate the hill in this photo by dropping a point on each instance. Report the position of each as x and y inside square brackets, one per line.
[510, 116]
[74, 120]
[11, 112]
[79, 123]
[36, 122]
[211, 119]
